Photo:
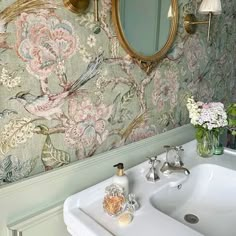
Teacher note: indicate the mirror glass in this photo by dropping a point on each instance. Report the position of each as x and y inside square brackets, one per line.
[145, 29]
[145, 24]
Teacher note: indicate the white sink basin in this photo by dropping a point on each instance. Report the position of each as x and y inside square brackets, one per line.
[207, 199]
[209, 192]
[84, 214]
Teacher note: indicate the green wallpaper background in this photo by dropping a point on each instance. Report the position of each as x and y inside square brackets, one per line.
[67, 94]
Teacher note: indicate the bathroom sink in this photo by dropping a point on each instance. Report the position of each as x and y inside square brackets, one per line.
[205, 201]
[84, 215]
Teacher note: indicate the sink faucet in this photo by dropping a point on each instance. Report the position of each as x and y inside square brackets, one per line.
[173, 163]
[167, 169]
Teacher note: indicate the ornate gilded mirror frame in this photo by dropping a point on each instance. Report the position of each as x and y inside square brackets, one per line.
[147, 63]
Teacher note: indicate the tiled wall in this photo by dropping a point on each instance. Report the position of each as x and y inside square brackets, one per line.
[67, 94]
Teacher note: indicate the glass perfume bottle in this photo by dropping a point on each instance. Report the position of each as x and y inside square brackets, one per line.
[132, 204]
[114, 200]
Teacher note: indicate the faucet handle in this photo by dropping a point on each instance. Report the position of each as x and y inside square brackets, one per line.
[179, 148]
[152, 174]
[176, 148]
[174, 155]
[153, 160]
[179, 155]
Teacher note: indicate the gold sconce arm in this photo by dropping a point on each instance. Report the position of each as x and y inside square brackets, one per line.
[96, 11]
[97, 27]
[76, 6]
[190, 24]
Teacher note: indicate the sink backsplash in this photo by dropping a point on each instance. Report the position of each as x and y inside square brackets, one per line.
[44, 52]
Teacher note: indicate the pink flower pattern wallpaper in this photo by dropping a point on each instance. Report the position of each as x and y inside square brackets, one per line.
[67, 94]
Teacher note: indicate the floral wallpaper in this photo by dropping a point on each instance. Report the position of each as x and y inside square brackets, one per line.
[67, 94]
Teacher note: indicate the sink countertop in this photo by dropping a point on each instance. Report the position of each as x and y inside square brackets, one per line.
[84, 215]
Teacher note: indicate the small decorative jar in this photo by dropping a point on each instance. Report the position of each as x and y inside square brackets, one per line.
[132, 204]
[205, 144]
[114, 200]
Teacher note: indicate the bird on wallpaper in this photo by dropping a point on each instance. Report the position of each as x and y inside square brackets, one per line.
[47, 105]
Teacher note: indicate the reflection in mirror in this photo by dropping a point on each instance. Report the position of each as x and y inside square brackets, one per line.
[148, 33]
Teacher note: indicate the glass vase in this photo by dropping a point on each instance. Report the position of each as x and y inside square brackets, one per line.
[205, 144]
[218, 147]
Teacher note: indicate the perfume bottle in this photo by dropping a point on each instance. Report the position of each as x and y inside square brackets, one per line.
[114, 200]
[132, 205]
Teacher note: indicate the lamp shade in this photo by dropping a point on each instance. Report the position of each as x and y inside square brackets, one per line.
[170, 13]
[213, 6]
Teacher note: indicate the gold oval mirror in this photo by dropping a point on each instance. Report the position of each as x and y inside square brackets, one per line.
[145, 29]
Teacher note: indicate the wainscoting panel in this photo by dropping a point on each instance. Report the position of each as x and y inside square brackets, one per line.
[49, 222]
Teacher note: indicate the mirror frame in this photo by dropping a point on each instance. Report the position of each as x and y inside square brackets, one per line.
[147, 63]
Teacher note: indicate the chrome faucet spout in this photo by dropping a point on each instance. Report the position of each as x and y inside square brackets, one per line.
[167, 169]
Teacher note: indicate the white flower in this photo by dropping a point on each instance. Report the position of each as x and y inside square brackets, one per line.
[100, 96]
[87, 57]
[91, 40]
[194, 111]
[208, 115]
[14, 82]
[82, 50]
[90, 17]
[8, 80]
[102, 81]
[100, 50]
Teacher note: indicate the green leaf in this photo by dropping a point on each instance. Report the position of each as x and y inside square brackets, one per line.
[231, 114]
[52, 157]
[15, 133]
[127, 97]
[199, 133]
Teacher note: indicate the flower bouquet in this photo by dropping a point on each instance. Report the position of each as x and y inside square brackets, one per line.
[208, 119]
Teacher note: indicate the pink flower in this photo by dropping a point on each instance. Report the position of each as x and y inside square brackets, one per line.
[165, 90]
[205, 106]
[207, 115]
[44, 42]
[141, 133]
[106, 6]
[194, 51]
[87, 123]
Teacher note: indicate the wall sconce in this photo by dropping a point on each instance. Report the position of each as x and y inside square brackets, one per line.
[209, 7]
[76, 6]
[170, 12]
[97, 28]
